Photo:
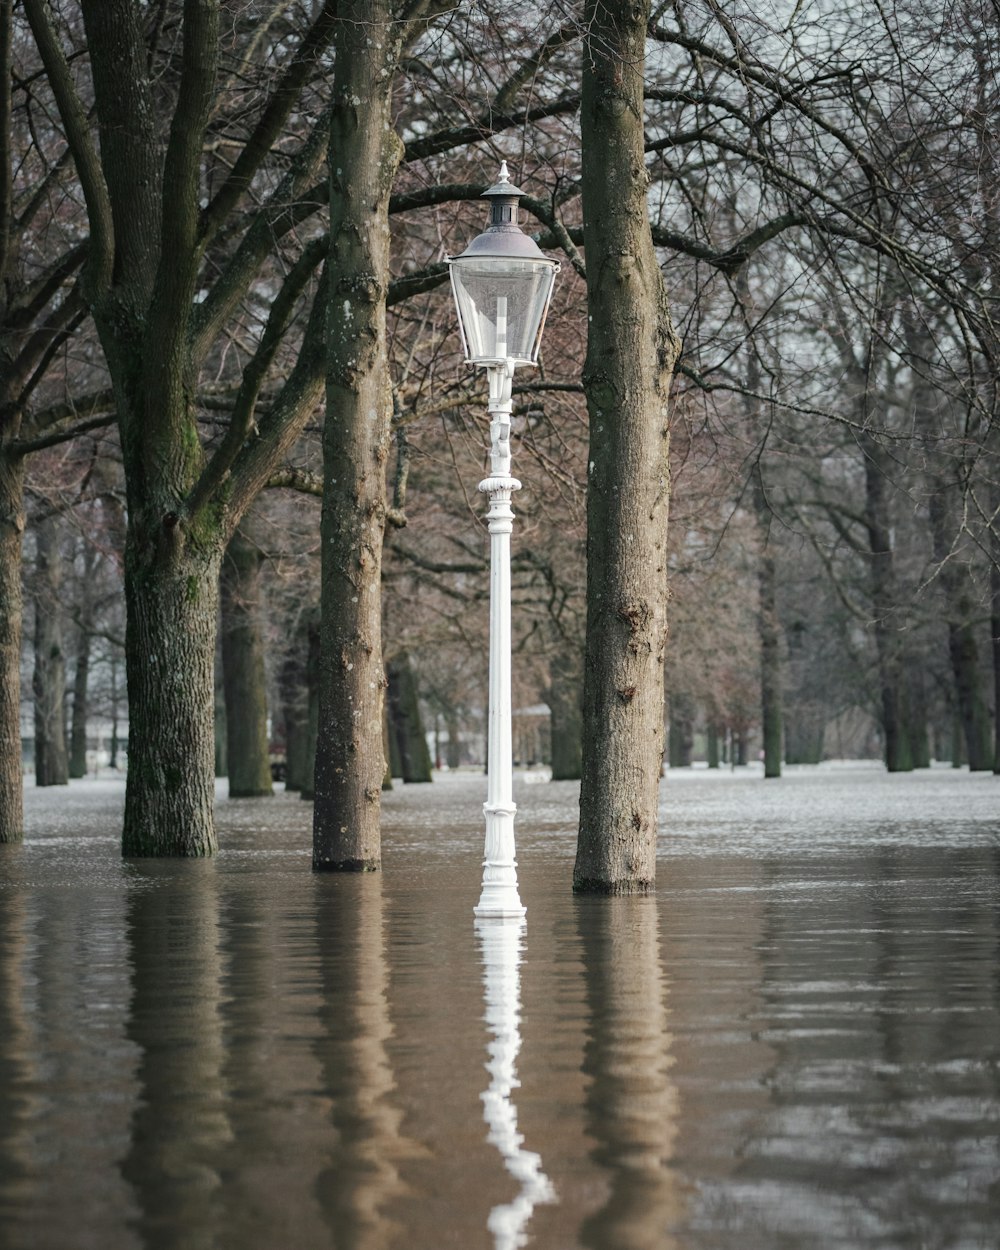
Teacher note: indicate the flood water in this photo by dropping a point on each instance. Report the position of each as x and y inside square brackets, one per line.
[796, 1043]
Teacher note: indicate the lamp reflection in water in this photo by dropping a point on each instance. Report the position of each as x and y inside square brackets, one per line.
[500, 942]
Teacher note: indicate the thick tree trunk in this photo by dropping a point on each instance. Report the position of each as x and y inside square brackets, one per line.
[631, 351]
[364, 153]
[11, 534]
[566, 709]
[171, 599]
[243, 677]
[49, 679]
[405, 723]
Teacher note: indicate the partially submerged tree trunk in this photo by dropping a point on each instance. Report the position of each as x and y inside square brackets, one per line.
[244, 678]
[631, 351]
[49, 678]
[11, 534]
[364, 154]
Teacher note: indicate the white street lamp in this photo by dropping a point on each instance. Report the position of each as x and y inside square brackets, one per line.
[502, 284]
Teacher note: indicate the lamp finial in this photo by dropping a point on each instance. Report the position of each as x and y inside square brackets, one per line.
[504, 174]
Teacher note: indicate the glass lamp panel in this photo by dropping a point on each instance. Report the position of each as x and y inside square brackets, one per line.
[501, 305]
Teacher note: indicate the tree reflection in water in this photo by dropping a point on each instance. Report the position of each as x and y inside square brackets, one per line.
[631, 1099]
[500, 943]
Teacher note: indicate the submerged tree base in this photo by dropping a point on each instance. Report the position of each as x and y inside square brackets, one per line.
[594, 885]
[347, 865]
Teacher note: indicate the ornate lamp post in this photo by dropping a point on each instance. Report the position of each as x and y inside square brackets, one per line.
[502, 284]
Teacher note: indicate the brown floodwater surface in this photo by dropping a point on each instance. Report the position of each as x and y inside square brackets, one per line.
[795, 1043]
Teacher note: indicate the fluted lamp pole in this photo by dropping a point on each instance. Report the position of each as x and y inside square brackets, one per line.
[502, 285]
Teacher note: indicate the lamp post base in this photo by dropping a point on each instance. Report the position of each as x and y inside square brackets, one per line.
[499, 896]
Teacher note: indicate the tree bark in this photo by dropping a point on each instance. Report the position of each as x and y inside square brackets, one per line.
[364, 154]
[49, 679]
[631, 351]
[11, 610]
[171, 596]
[244, 679]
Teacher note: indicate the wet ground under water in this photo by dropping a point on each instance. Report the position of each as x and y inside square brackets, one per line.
[796, 1043]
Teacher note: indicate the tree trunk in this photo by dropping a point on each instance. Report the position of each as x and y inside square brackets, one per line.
[959, 606]
[364, 154]
[995, 634]
[405, 722]
[78, 730]
[81, 670]
[312, 718]
[566, 709]
[920, 746]
[712, 745]
[11, 533]
[631, 351]
[293, 687]
[243, 678]
[885, 609]
[115, 746]
[171, 598]
[453, 752]
[219, 725]
[49, 680]
[769, 630]
[680, 731]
